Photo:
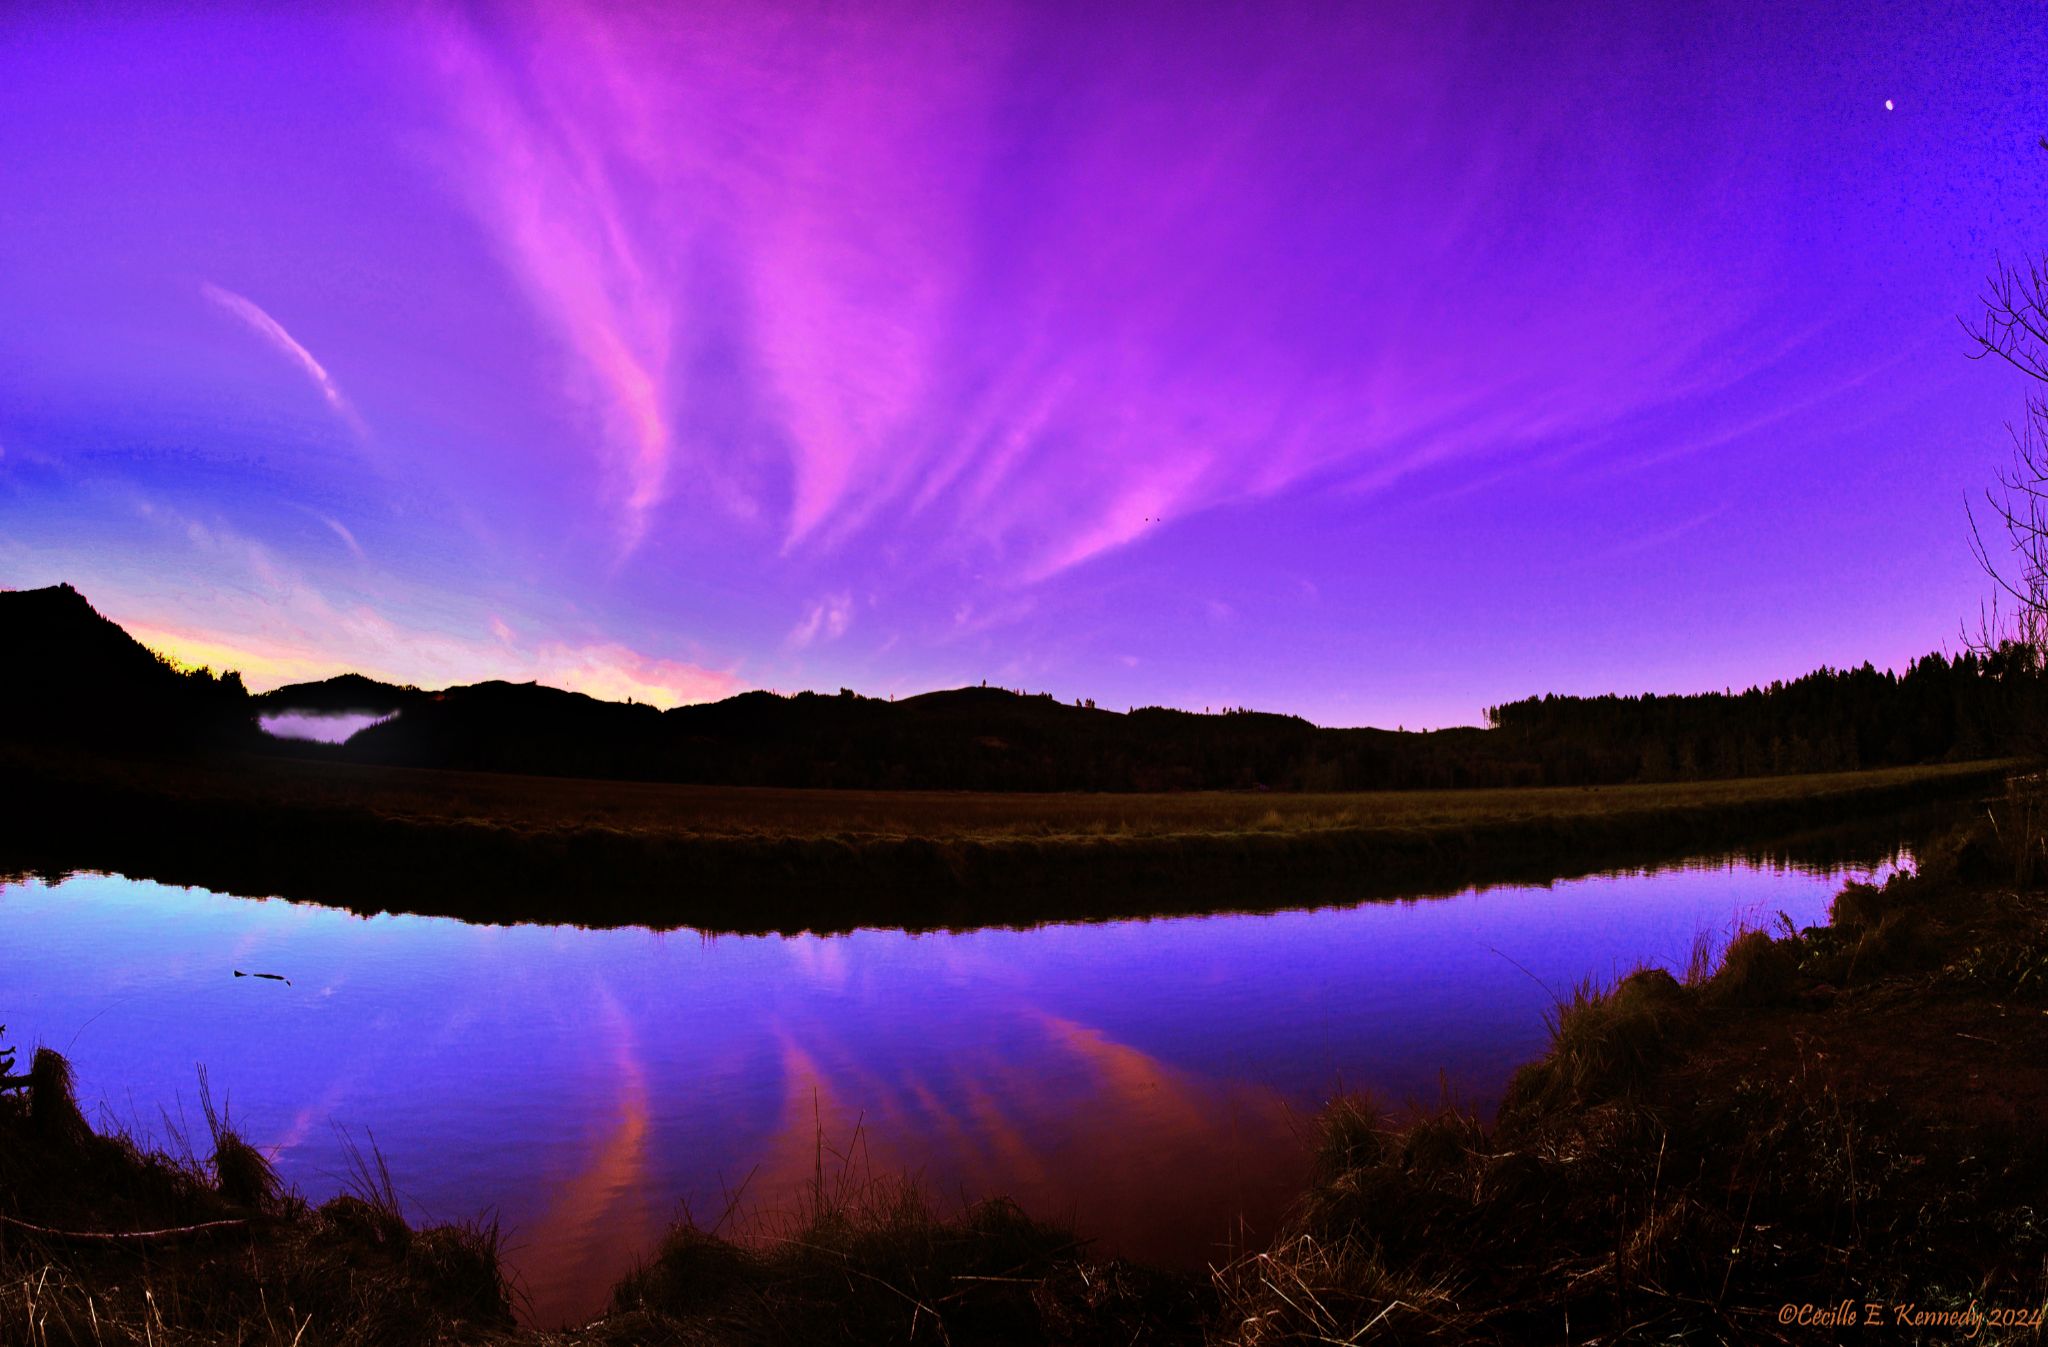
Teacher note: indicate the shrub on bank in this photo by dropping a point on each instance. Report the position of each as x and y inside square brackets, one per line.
[1602, 1043]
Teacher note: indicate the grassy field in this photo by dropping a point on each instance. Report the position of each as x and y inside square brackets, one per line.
[503, 847]
[533, 802]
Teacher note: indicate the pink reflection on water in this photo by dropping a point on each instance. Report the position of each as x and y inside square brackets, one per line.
[595, 1224]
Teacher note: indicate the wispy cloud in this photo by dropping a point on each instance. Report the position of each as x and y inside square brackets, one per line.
[617, 672]
[545, 176]
[1041, 340]
[273, 332]
[1654, 539]
[825, 620]
[347, 536]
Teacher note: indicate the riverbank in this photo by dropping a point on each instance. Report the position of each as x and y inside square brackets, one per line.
[503, 848]
[1837, 1128]
[1841, 1116]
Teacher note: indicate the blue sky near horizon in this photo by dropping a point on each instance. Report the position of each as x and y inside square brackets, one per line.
[1347, 360]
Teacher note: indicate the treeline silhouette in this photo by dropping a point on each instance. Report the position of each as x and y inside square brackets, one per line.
[77, 677]
[1972, 705]
[68, 675]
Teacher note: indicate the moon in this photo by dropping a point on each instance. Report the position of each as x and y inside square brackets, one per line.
[1887, 105]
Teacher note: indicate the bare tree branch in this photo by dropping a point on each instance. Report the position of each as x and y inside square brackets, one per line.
[2014, 328]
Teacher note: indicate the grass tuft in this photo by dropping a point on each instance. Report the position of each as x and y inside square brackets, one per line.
[1756, 971]
[1603, 1043]
[1351, 1132]
[464, 1265]
[52, 1106]
[1857, 907]
[242, 1173]
[860, 1259]
[1441, 1142]
[1310, 1290]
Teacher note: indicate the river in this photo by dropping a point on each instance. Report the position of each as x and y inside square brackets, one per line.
[1152, 1079]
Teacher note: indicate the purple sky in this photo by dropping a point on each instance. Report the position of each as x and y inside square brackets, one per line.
[1375, 363]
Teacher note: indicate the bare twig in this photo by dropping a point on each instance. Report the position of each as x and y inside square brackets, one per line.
[125, 1236]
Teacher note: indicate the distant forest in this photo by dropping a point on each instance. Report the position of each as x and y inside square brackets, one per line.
[77, 679]
[1943, 708]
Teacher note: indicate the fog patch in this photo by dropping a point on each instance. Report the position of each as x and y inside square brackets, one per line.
[326, 727]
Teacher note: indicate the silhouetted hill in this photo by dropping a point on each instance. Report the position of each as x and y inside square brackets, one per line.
[70, 674]
[514, 727]
[83, 677]
[344, 692]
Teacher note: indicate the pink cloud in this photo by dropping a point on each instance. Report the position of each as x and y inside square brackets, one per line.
[269, 646]
[257, 614]
[616, 673]
[551, 196]
[1034, 333]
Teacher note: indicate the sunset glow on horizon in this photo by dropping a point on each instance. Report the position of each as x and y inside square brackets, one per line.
[1367, 363]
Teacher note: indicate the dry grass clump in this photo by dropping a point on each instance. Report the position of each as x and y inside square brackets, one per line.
[2020, 826]
[1441, 1141]
[2009, 961]
[1897, 943]
[213, 1253]
[1351, 1132]
[242, 1174]
[1311, 1291]
[1756, 970]
[1386, 1245]
[1857, 906]
[691, 1268]
[1394, 1241]
[1877, 930]
[861, 1259]
[1601, 1043]
[52, 1109]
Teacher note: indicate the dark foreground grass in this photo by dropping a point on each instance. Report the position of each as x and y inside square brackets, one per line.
[106, 1241]
[866, 1258]
[508, 848]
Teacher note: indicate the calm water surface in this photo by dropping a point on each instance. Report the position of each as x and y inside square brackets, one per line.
[1151, 1078]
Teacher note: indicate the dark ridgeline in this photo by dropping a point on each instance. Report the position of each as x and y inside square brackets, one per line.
[70, 676]
[342, 693]
[75, 677]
